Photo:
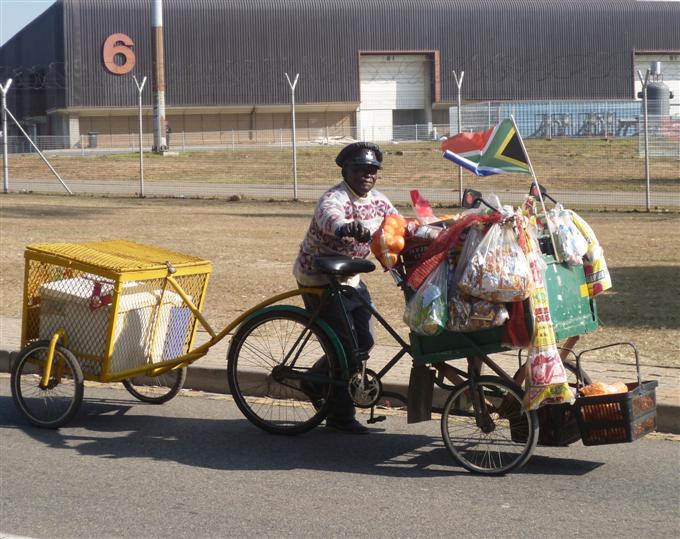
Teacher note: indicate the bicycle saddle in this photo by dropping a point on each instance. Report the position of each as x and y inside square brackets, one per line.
[343, 265]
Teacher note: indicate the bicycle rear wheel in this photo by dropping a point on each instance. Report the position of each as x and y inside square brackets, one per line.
[53, 405]
[502, 442]
[277, 367]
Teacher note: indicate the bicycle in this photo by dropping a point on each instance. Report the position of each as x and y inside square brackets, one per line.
[274, 358]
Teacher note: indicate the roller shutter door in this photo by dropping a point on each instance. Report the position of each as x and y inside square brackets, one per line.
[390, 82]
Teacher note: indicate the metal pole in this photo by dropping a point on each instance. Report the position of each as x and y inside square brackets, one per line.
[140, 87]
[538, 189]
[292, 103]
[5, 165]
[645, 82]
[459, 83]
[160, 143]
[39, 152]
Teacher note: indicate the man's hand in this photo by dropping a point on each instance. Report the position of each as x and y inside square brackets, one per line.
[354, 230]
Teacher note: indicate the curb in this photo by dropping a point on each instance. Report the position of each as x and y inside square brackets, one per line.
[668, 418]
[214, 380]
[6, 358]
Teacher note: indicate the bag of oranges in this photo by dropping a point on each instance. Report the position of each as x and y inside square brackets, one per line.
[388, 241]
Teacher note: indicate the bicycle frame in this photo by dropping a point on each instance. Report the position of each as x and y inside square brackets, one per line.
[335, 292]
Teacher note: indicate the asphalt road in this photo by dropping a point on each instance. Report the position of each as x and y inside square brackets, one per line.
[195, 468]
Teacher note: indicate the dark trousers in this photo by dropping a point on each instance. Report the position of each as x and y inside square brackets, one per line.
[342, 409]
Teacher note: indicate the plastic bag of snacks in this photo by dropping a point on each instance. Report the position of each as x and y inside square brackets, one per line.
[571, 245]
[468, 313]
[471, 314]
[426, 311]
[388, 241]
[498, 270]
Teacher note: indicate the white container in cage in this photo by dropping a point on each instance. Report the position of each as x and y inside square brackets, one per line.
[119, 307]
[81, 306]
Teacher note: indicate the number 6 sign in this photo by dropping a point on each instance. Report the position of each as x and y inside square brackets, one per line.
[114, 45]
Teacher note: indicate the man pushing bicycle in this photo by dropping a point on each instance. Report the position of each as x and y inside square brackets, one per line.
[345, 218]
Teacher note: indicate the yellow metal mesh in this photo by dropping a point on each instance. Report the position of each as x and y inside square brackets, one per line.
[151, 325]
[116, 255]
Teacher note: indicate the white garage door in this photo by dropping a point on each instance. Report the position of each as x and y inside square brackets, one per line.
[670, 69]
[391, 82]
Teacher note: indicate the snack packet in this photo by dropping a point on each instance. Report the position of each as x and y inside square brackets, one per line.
[498, 270]
[571, 245]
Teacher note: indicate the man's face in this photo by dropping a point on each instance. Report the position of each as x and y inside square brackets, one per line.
[361, 178]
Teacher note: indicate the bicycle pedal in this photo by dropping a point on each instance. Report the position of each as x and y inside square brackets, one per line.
[376, 419]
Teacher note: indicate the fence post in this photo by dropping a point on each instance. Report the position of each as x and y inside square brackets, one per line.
[5, 136]
[459, 84]
[644, 82]
[140, 88]
[292, 114]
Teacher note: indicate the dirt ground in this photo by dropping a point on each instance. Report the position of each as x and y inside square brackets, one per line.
[252, 245]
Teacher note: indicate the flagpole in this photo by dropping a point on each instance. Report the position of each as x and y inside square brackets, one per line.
[538, 189]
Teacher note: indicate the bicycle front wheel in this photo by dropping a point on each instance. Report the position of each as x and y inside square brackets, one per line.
[499, 439]
[280, 371]
[156, 389]
[53, 405]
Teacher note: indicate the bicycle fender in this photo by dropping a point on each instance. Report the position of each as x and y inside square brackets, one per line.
[332, 336]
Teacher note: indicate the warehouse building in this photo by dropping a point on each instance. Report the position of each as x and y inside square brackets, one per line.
[362, 63]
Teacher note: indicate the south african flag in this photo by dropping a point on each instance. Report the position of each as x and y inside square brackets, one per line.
[496, 150]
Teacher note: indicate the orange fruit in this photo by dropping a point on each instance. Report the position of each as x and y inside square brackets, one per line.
[389, 260]
[377, 244]
[395, 243]
[397, 222]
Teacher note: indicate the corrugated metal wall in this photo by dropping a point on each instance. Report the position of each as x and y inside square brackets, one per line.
[236, 51]
[34, 59]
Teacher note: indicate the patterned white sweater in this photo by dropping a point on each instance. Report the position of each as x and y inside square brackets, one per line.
[336, 207]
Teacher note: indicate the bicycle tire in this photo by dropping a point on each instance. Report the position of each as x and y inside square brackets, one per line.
[513, 437]
[259, 381]
[55, 405]
[156, 389]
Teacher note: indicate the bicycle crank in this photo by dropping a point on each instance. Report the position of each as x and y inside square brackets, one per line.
[365, 390]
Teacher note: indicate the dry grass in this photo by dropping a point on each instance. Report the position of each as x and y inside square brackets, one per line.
[582, 164]
[252, 246]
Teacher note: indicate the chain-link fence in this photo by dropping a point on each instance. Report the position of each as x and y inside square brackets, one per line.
[588, 153]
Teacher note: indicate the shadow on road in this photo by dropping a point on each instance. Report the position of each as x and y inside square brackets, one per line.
[104, 428]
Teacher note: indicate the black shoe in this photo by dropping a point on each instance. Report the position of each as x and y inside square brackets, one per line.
[350, 426]
[314, 396]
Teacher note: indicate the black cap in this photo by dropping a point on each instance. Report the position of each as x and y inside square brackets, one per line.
[360, 153]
